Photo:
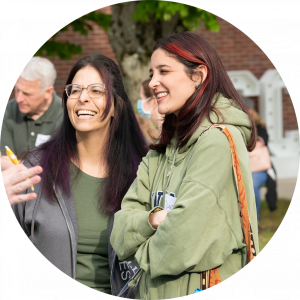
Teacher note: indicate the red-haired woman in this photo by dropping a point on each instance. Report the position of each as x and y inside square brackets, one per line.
[180, 219]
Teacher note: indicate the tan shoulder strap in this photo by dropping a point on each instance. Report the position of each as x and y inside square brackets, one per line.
[214, 274]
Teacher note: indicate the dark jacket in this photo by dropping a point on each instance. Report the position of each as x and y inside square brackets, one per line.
[52, 227]
[271, 195]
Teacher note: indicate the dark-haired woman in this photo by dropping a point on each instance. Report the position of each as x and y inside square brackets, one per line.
[180, 218]
[88, 166]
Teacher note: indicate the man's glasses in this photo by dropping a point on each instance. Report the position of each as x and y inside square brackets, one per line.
[95, 90]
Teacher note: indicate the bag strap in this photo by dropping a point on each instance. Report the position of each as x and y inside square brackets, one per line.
[214, 275]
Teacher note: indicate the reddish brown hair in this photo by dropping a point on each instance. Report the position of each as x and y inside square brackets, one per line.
[192, 50]
[146, 88]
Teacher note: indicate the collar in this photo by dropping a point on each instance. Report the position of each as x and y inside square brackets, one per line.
[49, 114]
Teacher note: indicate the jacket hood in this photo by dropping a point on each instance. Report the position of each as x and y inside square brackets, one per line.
[232, 115]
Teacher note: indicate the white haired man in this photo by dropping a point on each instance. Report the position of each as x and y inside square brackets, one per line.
[36, 112]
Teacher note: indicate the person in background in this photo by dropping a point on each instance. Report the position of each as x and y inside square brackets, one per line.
[149, 131]
[267, 177]
[35, 113]
[147, 105]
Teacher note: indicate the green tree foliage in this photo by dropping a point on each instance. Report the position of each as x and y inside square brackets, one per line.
[162, 11]
[65, 50]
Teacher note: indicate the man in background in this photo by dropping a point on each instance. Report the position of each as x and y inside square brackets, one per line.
[36, 112]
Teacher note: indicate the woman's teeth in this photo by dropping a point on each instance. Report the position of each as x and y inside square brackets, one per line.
[85, 112]
[161, 95]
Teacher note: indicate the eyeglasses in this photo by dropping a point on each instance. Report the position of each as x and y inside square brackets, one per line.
[94, 90]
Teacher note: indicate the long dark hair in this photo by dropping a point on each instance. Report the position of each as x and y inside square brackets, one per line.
[192, 50]
[124, 149]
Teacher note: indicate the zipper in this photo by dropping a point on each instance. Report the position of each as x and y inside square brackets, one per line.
[146, 287]
[34, 216]
[114, 254]
[112, 266]
[71, 231]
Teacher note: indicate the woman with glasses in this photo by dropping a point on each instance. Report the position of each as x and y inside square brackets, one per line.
[88, 166]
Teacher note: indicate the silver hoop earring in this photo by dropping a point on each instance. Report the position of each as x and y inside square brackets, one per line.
[197, 85]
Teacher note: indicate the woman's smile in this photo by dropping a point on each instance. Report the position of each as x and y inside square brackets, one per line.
[85, 114]
[160, 96]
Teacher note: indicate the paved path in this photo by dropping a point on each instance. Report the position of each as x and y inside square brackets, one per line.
[285, 188]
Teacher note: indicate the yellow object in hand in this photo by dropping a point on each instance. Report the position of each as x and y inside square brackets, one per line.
[14, 160]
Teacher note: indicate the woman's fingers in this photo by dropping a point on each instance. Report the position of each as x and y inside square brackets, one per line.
[24, 184]
[13, 170]
[157, 218]
[15, 182]
[21, 198]
[23, 173]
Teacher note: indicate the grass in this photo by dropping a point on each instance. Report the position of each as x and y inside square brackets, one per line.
[270, 221]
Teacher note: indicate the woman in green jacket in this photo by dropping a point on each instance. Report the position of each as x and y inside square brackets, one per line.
[181, 215]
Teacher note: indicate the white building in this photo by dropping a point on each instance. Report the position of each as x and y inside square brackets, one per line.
[284, 146]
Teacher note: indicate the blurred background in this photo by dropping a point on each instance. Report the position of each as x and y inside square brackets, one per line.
[127, 32]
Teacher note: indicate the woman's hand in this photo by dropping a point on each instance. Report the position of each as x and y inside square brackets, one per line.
[157, 218]
[5, 162]
[14, 182]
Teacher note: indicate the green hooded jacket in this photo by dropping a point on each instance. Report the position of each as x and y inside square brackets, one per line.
[203, 230]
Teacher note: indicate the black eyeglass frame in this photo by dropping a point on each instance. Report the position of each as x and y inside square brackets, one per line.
[82, 88]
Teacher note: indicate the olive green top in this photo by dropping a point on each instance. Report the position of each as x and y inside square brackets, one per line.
[92, 250]
[21, 133]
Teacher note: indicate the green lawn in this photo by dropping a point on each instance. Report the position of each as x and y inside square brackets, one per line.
[270, 221]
